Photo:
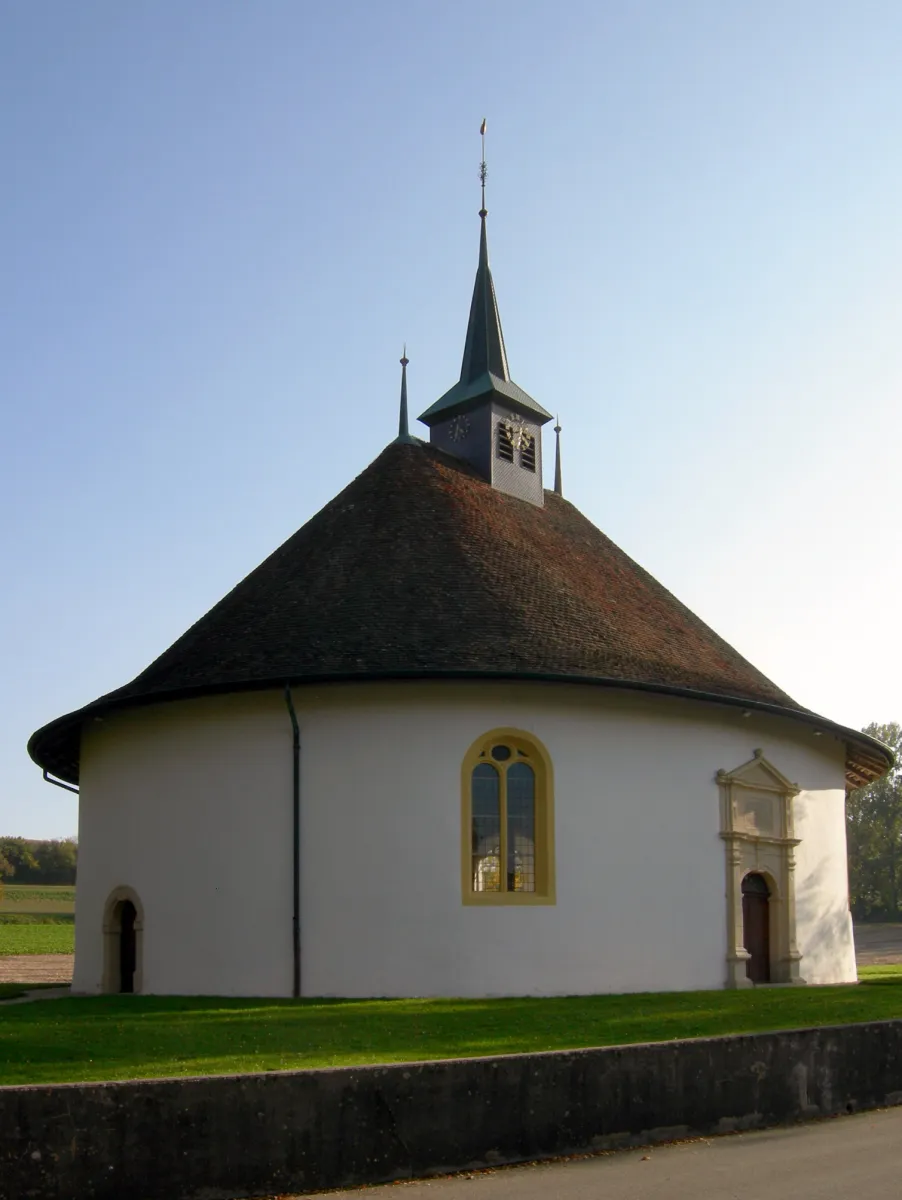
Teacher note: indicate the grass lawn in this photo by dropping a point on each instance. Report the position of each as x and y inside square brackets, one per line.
[37, 938]
[127, 1037]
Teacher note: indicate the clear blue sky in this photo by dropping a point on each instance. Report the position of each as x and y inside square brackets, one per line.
[220, 220]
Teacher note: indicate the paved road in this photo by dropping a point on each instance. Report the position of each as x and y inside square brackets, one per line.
[878, 944]
[859, 1157]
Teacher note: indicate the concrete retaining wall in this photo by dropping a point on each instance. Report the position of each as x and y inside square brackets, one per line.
[237, 1136]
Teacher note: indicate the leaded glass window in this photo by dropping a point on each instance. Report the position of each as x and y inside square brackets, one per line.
[486, 828]
[503, 821]
[521, 828]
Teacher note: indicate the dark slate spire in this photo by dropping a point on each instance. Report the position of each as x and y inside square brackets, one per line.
[484, 370]
[484, 348]
[559, 491]
[404, 434]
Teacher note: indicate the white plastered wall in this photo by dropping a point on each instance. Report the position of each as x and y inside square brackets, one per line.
[190, 804]
[823, 917]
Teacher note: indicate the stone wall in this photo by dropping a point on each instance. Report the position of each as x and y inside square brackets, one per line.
[250, 1135]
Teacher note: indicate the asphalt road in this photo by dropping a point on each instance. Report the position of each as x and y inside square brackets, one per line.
[858, 1157]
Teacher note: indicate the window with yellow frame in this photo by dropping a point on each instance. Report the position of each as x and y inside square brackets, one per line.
[507, 834]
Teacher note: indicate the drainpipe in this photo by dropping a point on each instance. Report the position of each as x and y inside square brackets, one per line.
[296, 844]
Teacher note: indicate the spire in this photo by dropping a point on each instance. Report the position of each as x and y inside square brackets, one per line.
[558, 490]
[403, 427]
[484, 373]
[484, 347]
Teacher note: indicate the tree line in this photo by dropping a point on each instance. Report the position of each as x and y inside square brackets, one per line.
[25, 860]
[874, 837]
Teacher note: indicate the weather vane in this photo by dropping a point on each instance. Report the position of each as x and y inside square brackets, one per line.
[483, 169]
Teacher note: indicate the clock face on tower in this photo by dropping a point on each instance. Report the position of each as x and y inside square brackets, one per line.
[458, 429]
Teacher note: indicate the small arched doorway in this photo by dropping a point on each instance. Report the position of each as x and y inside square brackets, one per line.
[123, 935]
[756, 927]
[128, 958]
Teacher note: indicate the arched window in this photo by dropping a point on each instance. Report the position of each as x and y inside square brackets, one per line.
[507, 838]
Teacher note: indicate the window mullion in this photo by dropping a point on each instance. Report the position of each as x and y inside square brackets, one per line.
[503, 814]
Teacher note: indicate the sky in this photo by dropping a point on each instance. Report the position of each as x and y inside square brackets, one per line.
[220, 222]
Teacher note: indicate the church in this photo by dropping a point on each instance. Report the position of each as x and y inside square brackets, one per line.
[449, 740]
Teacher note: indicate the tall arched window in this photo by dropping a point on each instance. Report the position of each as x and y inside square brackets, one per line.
[507, 842]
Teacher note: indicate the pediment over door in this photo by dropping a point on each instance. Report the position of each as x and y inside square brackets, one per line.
[759, 774]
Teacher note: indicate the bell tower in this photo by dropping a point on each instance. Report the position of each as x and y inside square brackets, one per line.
[485, 418]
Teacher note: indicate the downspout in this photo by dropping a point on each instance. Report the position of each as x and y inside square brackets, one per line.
[296, 844]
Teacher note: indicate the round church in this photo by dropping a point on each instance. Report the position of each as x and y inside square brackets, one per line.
[449, 740]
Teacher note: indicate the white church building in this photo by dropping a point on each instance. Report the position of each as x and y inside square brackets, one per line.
[450, 740]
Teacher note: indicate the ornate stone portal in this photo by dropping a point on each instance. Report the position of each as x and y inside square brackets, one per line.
[756, 824]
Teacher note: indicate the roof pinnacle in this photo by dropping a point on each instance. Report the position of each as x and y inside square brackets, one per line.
[404, 434]
[558, 490]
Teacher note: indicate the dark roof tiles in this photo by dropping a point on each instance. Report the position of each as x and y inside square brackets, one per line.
[420, 568]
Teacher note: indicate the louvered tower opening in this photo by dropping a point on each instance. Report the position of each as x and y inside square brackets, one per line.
[505, 443]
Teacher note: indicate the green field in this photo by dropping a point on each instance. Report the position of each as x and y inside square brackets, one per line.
[36, 919]
[128, 1037]
[37, 939]
[35, 900]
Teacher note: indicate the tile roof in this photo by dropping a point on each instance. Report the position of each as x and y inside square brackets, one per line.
[419, 568]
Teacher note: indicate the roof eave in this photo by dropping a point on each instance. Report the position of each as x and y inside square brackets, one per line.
[871, 762]
[463, 397]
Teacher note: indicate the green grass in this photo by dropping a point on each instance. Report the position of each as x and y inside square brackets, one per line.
[22, 918]
[36, 898]
[36, 920]
[127, 1037]
[881, 971]
[37, 939]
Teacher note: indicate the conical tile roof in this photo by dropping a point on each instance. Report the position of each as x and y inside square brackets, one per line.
[420, 569]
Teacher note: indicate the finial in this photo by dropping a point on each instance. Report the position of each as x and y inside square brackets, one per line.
[483, 171]
[558, 490]
[403, 426]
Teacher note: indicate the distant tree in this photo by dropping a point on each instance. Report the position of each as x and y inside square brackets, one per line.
[56, 860]
[18, 853]
[47, 862]
[874, 836]
[7, 870]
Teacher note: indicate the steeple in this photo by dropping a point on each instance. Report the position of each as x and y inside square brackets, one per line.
[404, 434]
[484, 348]
[484, 372]
[558, 490]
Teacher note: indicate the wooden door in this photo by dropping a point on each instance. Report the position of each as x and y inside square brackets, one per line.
[756, 927]
[127, 947]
